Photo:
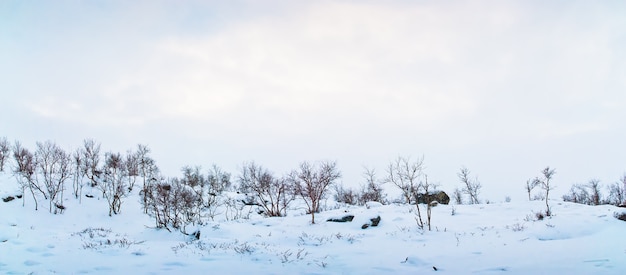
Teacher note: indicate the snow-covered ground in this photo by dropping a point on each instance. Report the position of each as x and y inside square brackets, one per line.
[477, 239]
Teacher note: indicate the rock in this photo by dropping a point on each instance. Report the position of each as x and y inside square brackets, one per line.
[620, 216]
[346, 218]
[196, 235]
[439, 196]
[375, 221]
[8, 199]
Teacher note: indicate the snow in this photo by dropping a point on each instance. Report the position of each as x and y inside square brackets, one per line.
[478, 239]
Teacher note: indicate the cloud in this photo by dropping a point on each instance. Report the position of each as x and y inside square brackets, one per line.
[329, 78]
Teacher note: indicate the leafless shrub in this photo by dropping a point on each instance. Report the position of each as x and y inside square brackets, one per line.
[5, 151]
[617, 192]
[236, 209]
[346, 195]
[272, 194]
[458, 196]
[148, 171]
[131, 165]
[100, 238]
[530, 185]
[311, 182]
[594, 188]
[24, 171]
[545, 184]
[53, 165]
[372, 190]
[472, 187]
[91, 161]
[78, 174]
[406, 175]
[193, 178]
[208, 190]
[244, 248]
[219, 180]
[578, 194]
[172, 203]
[517, 227]
[428, 188]
[540, 215]
[113, 186]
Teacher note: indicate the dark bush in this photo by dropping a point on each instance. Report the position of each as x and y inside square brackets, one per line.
[539, 215]
[620, 216]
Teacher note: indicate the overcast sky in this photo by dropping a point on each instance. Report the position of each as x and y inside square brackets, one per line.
[504, 88]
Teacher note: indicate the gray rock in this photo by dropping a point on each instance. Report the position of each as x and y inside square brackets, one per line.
[373, 222]
[346, 218]
[439, 196]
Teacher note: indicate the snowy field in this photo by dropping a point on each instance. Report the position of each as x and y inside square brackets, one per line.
[498, 238]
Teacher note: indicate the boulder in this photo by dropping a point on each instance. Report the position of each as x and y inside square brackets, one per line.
[346, 218]
[620, 216]
[373, 222]
[439, 196]
[196, 235]
[8, 199]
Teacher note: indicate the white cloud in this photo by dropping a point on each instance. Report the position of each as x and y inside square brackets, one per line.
[334, 77]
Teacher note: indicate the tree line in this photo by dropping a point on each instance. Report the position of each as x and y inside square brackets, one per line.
[195, 196]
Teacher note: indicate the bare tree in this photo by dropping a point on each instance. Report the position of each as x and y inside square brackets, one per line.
[372, 191]
[77, 161]
[428, 189]
[172, 203]
[200, 200]
[148, 171]
[25, 172]
[132, 168]
[272, 194]
[347, 195]
[458, 196]
[54, 168]
[472, 187]
[91, 161]
[530, 185]
[594, 187]
[578, 193]
[617, 192]
[311, 182]
[219, 180]
[545, 184]
[5, 151]
[406, 174]
[623, 179]
[113, 186]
